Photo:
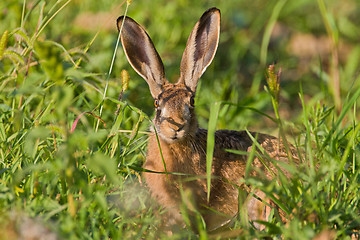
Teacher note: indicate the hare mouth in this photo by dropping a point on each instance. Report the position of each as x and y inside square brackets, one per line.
[172, 139]
[176, 137]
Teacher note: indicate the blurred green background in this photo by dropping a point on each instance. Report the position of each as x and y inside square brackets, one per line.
[293, 34]
[60, 162]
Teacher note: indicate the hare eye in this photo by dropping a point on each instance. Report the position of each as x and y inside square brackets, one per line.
[192, 101]
[156, 103]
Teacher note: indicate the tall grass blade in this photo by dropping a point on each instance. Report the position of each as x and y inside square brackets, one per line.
[345, 110]
[111, 66]
[214, 113]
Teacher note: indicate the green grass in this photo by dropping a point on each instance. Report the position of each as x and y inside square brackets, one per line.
[71, 151]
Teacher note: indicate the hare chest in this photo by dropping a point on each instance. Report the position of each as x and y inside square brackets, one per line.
[171, 167]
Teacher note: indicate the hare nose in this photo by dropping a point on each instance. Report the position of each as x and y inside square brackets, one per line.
[176, 127]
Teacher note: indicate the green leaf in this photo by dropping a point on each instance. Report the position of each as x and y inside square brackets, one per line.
[214, 113]
[104, 165]
[34, 139]
[63, 96]
[51, 60]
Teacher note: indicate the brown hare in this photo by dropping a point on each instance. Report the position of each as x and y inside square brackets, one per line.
[181, 144]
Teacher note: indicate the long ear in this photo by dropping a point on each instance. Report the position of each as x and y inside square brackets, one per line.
[142, 55]
[200, 48]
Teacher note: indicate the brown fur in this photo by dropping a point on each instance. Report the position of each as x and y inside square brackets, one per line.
[189, 156]
[183, 144]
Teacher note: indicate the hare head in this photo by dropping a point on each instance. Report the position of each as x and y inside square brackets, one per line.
[175, 116]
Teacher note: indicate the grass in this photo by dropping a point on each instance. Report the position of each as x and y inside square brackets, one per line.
[71, 149]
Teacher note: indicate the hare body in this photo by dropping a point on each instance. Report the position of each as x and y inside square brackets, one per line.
[183, 144]
[189, 156]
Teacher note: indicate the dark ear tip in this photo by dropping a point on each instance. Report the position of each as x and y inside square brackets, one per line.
[212, 10]
[210, 13]
[120, 19]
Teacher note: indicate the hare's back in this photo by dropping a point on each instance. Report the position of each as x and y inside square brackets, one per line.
[243, 140]
[269, 148]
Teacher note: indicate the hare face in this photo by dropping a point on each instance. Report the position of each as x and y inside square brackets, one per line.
[175, 114]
